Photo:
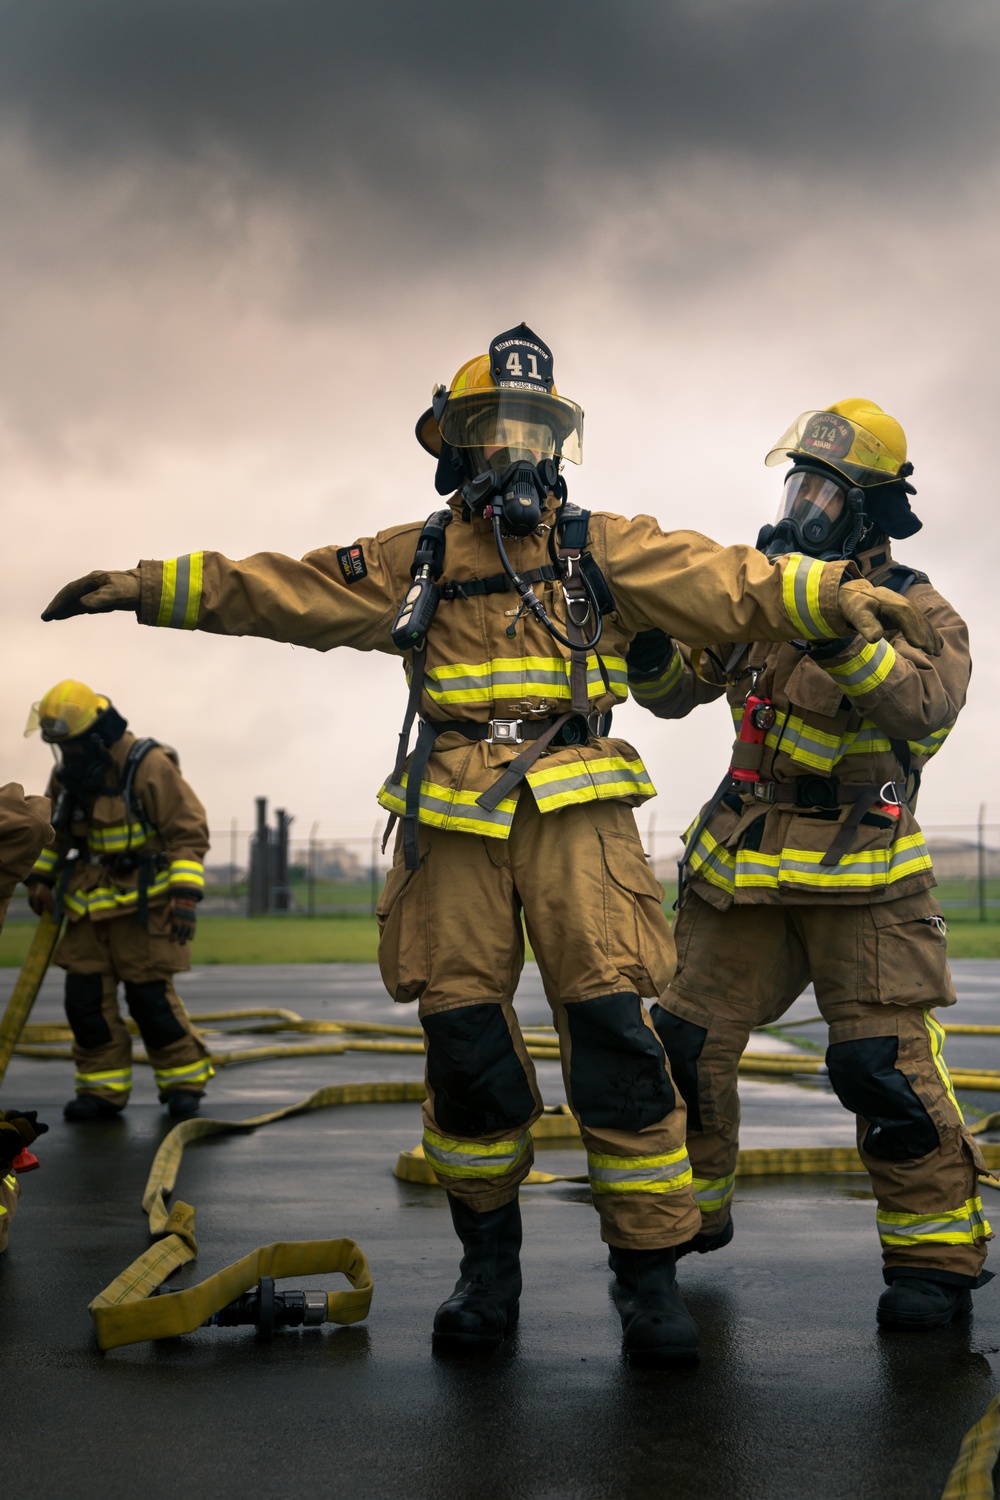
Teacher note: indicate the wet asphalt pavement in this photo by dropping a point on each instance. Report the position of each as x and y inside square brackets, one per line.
[797, 1395]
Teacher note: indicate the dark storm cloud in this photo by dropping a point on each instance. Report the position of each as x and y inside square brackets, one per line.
[440, 103]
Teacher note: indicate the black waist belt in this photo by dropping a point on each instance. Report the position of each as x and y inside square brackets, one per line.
[565, 729]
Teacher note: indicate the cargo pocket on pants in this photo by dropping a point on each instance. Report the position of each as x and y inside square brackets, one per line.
[403, 946]
[910, 953]
[637, 933]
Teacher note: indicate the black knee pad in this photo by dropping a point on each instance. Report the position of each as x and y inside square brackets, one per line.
[866, 1081]
[151, 1012]
[478, 1079]
[84, 993]
[617, 1070]
[682, 1041]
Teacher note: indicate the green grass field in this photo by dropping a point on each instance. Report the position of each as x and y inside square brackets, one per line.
[329, 940]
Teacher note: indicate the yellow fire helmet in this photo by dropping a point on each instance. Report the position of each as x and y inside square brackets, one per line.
[855, 437]
[505, 399]
[68, 709]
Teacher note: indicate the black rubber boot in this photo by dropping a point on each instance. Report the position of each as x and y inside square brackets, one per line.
[182, 1104]
[658, 1330]
[483, 1308]
[703, 1243]
[916, 1304]
[86, 1107]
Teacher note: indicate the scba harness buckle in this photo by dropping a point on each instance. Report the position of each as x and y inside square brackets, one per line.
[505, 732]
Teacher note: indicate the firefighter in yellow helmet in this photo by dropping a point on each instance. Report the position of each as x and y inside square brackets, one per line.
[512, 611]
[808, 864]
[24, 829]
[125, 865]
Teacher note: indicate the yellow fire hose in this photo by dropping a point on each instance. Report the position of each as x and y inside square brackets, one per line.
[128, 1312]
[27, 985]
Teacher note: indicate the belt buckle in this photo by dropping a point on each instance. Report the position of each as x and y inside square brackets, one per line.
[505, 732]
[763, 791]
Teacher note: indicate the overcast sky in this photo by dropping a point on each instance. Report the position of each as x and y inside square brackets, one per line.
[240, 242]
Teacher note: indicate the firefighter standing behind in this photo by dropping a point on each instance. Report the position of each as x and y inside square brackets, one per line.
[512, 611]
[125, 866]
[808, 864]
[24, 829]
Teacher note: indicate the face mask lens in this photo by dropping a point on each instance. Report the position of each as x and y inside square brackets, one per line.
[814, 504]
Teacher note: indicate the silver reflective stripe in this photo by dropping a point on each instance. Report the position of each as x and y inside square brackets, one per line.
[816, 627]
[182, 592]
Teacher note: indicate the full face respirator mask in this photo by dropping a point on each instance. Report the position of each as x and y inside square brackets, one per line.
[820, 514]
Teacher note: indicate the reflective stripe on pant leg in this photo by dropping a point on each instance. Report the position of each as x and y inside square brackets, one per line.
[192, 1076]
[468, 1160]
[639, 1174]
[712, 1195]
[114, 1081]
[960, 1226]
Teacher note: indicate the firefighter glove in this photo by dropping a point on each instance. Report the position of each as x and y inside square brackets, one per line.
[183, 919]
[649, 652]
[41, 897]
[95, 595]
[873, 613]
[18, 1128]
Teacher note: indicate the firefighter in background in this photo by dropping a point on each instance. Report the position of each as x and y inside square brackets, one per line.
[24, 830]
[808, 864]
[512, 610]
[125, 865]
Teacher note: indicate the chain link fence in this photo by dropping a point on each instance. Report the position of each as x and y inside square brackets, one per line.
[323, 874]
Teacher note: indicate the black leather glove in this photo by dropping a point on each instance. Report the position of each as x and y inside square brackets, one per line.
[183, 918]
[649, 653]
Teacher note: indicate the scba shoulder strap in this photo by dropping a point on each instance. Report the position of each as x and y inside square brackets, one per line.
[900, 579]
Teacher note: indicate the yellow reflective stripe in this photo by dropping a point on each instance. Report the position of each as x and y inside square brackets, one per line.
[800, 741]
[865, 671]
[800, 588]
[189, 872]
[713, 1193]
[10, 1180]
[868, 868]
[457, 1158]
[45, 862]
[713, 863]
[116, 837]
[652, 688]
[957, 1226]
[936, 1033]
[447, 807]
[639, 1174]
[749, 869]
[607, 776]
[932, 744]
[514, 677]
[196, 1072]
[110, 898]
[117, 1080]
[180, 591]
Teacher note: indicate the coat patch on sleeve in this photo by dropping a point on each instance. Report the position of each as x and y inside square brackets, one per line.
[351, 561]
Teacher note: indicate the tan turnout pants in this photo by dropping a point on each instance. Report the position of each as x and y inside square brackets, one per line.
[96, 956]
[878, 972]
[451, 937]
[10, 1191]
